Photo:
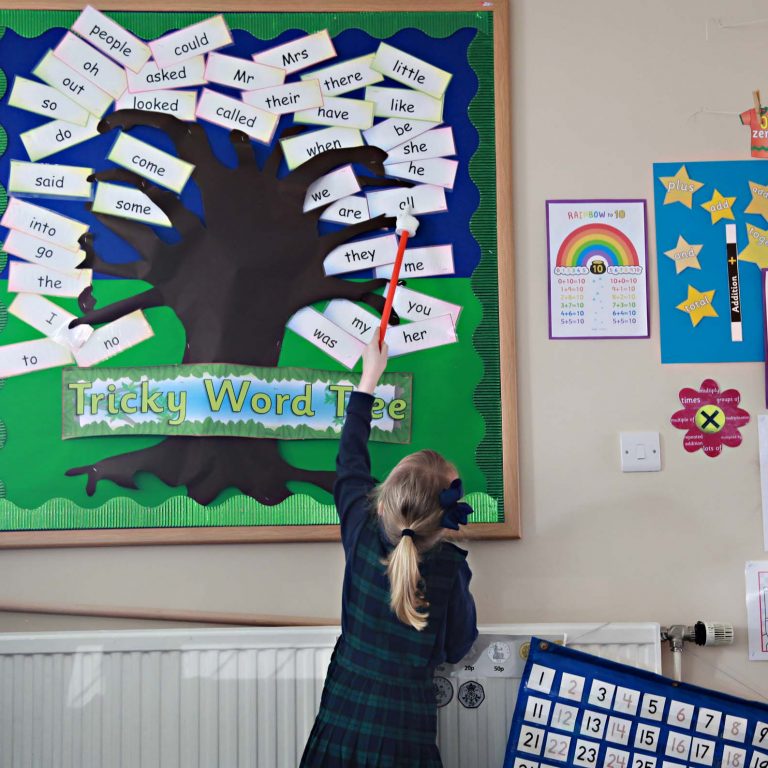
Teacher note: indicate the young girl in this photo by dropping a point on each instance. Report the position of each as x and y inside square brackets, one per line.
[406, 605]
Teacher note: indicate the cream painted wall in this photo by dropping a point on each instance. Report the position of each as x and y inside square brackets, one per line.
[601, 89]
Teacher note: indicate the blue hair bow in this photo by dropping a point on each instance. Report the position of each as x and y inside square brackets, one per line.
[455, 512]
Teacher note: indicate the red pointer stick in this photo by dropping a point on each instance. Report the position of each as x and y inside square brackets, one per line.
[392, 287]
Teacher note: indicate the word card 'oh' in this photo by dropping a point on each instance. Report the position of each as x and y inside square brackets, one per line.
[233, 114]
[436, 171]
[57, 135]
[299, 149]
[181, 104]
[113, 338]
[44, 100]
[150, 162]
[50, 319]
[396, 130]
[361, 254]
[424, 198]
[43, 223]
[329, 188]
[401, 102]
[197, 39]
[351, 113]
[31, 356]
[353, 319]
[32, 278]
[412, 305]
[423, 334]
[348, 210]
[72, 84]
[430, 261]
[151, 77]
[69, 182]
[110, 38]
[93, 65]
[127, 203]
[326, 336]
[299, 54]
[411, 71]
[346, 76]
[243, 74]
[436, 143]
[282, 99]
[38, 251]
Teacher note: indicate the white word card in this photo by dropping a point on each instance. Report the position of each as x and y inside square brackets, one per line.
[127, 203]
[401, 102]
[334, 185]
[326, 336]
[429, 261]
[299, 149]
[389, 133]
[436, 171]
[353, 319]
[30, 356]
[282, 99]
[32, 278]
[352, 113]
[150, 162]
[299, 54]
[231, 113]
[93, 65]
[46, 101]
[203, 37]
[348, 210]
[113, 338]
[423, 334]
[72, 84]
[180, 104]
[152, 77]
[110, 38]
[411, 71]
[69, 182]
[43, 223]
[346, 76]
[412, 305]
[38, 251]
[424, 198]
[50, 319]
[244, 74]
[361, 254]
[57, 135]
[436, 143]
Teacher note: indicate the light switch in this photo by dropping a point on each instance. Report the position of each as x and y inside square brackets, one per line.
[640, 451]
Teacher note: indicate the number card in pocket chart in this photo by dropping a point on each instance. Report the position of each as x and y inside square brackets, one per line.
[575, 709]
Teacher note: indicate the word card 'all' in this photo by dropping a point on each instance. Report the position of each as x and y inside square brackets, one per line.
[110, 38]
[38, 251]
[329, 188]
[151, 77]
[44, 100]
[43, 223]
[346, 76]
[396, 130]
[361, 254]
[424, 198]
[243, 74]
[32, 278]
[180, 104]
[197, 39]
[113, 338]
[299, 149]
[231, 113]
[299, 54]
[50, 319]
[422, 334]
[326, 336]
[402, 102]
[127, 203]
[348, 210]
[429, 261]
[411, 71]
[69, 182]
[351, 113]
[94, 66]
[353, 319]
[283, 99]
[150, 162]
[31, 356]
[56, 136]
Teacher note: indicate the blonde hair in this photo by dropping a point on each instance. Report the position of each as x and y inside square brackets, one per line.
[410, 499]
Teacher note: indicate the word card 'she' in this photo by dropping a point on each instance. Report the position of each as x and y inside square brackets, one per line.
[436, 143]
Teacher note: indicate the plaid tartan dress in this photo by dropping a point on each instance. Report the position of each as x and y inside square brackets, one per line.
[378, 705]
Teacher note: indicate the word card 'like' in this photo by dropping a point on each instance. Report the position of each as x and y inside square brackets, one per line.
[283, 99]
[43, 223]
[422, 334]
[68, 182]
[150, 162]
[152, 77]
[94, 66]
[361, 254]
[299, 54]
[32, 278]
[50, 319]
[353, 319]
[195, 40]
[233, 114]
[31, 356]
[56, 136]
[299, 149]
[326, 336]
[348, 210]
[412, 305]
[411, 71]
[401, 102]
[422, 199]
[127, 203]
[243, 74]
[346, 76]
[350, 113]
[180, 104]
[396, 130]
[44, 100]
[113, 338]
[334, 185]
[37, 251]
[429, 261]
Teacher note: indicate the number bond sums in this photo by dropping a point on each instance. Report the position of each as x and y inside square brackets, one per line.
[578, 710]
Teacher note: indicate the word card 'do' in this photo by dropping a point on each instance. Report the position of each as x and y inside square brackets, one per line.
[44, 100]
[197, 39]
[31, 356]
[299, 54]
[43, 223]
[436, 171]
[346, 76]
[396, 130]
[32, 278]
[283, 99]
[181, 104]
[150, 162]
[401, 102]
[412, 305]
[57, 135]
[352, 113]
[110, 38]
[243, 74]
[93, 65]
[234, 114]
[348, 210]
[428, 261]
[151, 77]
[361, 254]
[299, 149]
[422, 334]
[353, 319]
[334, 185]
[113, 338]
[326, 336]
[127, 203]
[69, 182]
[411, 71]
[50, 319]
[38, 251]
[421, 199]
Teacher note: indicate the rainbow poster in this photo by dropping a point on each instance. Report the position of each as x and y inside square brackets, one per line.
[598, 275]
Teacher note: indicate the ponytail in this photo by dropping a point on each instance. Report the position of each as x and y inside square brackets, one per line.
[406, 599]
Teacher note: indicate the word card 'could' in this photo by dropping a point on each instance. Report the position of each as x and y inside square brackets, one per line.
[326, 336]
[43, 223]
[346, 76]
[299, 54]
[195, 40]
[234, 114]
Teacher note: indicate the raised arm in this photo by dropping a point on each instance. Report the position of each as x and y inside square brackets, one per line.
[461, 622]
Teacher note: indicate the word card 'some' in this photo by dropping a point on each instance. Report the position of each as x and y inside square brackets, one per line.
[579, 710]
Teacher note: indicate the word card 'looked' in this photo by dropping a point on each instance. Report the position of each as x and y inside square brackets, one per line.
[299, 54]
[180, 104]
[195, 40]
[110, 38]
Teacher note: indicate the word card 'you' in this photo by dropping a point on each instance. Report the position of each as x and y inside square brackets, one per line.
[195, 40]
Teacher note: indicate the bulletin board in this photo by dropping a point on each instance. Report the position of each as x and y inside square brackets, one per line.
[65, 479]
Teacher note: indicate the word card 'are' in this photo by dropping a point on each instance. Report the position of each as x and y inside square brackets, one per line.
[361, 254]
[93, 65]
[346, 76]
[348, 210]
[299, 54]
[44, 100]
[396, 130]
[50, 319]
[180, 104]
[43, 223]
[299, 149]
[329, 188]
[401, 102]
[423, 334]
[411, 71]
[283, 99]
[38, 251]
[243, 74]
[234, 114]
[56, 136]
[352, 113]
[31, 356]
[152, 77]
[113, 338]
[195, 40]
[422, 199]
[32, 278]
[429, 261]
[150, 162]
[127, 203]
[69, 182]
[326, 336]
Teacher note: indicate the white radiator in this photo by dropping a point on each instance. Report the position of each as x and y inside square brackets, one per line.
[229, 698]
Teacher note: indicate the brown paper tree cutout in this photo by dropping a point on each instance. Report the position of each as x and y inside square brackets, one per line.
[233, 281]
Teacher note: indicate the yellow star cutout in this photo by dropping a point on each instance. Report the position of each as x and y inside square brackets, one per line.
[698, 305]
[757, 246]
[719, 207]
[759, 202]
[680, 187]
[684, 255]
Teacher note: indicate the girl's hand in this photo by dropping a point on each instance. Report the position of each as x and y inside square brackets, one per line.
[374, 363]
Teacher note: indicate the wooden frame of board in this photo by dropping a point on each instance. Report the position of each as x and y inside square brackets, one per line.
[511, 527]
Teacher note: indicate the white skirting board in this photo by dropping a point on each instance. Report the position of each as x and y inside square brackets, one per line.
[240, 698]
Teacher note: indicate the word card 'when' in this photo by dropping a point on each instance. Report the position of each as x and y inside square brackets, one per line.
[299, 149]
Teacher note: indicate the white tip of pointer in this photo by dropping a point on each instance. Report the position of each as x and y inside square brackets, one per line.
[406, 223]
